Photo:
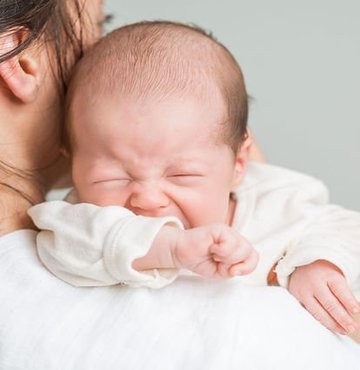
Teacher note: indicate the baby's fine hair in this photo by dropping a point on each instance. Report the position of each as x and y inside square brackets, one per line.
[157, 59]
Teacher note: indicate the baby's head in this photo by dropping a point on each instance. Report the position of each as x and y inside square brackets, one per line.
[156, 122]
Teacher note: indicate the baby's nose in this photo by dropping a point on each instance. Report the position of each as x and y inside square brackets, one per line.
[148, 198]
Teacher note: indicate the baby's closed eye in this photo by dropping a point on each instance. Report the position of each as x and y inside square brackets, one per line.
[113, 182]
[184, 178]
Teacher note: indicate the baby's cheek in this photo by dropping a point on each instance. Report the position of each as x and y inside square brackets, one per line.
[104, 199]
[88, 195]
[205, 214]
[201, 207]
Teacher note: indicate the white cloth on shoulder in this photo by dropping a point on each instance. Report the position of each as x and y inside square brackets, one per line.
[192, 324]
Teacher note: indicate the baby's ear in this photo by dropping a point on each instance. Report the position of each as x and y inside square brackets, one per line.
[20, 72]
[241, 160]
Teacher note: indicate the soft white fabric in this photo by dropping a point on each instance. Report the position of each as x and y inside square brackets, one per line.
[283, 213]
[87, 245]
[286, 215]
[192, 324]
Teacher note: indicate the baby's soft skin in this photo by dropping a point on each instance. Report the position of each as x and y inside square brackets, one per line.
[322, 289]
[216, 251]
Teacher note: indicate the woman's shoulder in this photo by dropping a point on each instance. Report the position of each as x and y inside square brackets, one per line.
[19, 262]
[19, 241]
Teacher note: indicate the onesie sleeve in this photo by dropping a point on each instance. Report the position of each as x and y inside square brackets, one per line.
[330, 233]
[87, 245]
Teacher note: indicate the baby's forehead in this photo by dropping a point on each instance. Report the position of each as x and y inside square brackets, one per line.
[108, 115]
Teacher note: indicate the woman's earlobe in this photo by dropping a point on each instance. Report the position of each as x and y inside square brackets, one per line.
[20, 72]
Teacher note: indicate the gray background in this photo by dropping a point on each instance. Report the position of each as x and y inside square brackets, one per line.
[301, 61]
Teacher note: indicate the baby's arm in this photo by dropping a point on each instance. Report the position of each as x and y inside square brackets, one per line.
[212, 251]
[321, 266]
[86, 245]
[322, 289]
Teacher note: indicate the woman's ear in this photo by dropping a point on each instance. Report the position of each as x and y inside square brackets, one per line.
[241, 160]
[20, 72]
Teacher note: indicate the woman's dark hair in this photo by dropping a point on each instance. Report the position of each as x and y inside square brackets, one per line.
[52, 20]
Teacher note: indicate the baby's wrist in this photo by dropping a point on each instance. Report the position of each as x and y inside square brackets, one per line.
[174, 242]
[167, 243]
[162, 252]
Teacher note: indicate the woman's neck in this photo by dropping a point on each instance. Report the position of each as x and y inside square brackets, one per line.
[11, 223]
[19, 191]
[14, 203]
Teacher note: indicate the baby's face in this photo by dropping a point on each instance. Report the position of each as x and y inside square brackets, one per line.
[154, 158]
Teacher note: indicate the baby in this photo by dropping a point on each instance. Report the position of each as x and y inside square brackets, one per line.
[157, 124]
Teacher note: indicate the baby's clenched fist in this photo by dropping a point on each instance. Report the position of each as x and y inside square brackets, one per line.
[214, 251]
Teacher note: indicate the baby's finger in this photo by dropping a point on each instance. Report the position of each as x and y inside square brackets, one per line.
[315, 308]
[223, 271]
[223, 252]
[342, 292]
[220, 251]
[245, 267]
[336, 310]
[231, 251]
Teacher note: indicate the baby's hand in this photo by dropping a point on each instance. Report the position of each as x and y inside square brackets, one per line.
[322, 289]
[214, 251]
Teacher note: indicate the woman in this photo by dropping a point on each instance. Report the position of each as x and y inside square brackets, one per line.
[33, 33]
[47, 324]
